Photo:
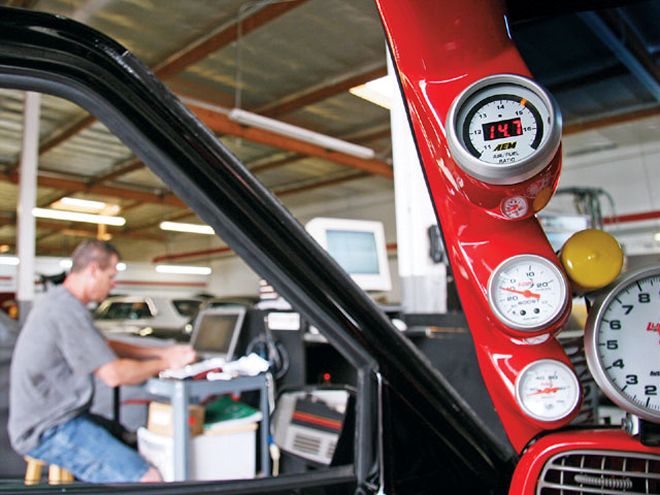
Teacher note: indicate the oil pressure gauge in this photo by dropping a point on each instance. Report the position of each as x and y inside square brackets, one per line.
[622, 343]
[527, 292]
[547, 390]
[503, 129]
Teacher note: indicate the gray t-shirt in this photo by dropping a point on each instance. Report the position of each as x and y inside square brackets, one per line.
[52, 368]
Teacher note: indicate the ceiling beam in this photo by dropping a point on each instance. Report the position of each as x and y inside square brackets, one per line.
[222, 37]
[318, 93]
[185, 57]
[277, 162]
[78, 185]
[646, 74]
[58, 137]
[309, 186]
[610, 120]
[221, 124]
[130, 165]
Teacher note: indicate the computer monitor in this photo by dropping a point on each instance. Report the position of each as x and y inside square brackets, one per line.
[358, 246]
[216, 332]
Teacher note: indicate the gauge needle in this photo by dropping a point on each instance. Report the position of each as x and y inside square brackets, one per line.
[547, 390]
[525, 293]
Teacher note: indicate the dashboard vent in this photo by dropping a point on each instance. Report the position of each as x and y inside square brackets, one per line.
[581, 472]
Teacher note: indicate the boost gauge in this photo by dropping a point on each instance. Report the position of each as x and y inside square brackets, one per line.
[503, 129]
[622, 343]
[527, 292]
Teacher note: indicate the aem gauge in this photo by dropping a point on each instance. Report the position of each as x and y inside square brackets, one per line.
[547, 390]
[503, 129]
[527, 292]
[622, 343]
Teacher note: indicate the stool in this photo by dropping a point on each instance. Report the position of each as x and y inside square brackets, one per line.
[56, 474]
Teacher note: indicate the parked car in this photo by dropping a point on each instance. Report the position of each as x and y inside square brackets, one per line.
[147, 316]
[221, 302]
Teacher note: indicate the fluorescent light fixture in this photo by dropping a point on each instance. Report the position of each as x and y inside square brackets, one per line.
[73, 216]
[657, 237]
[378, 91]
[192, 228]
[84, 204]
[67, 264]
[184, 269]
[9, 260]
[284, 129]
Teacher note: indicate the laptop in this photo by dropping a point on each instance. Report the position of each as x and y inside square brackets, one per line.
[214, 338]
[216, 332]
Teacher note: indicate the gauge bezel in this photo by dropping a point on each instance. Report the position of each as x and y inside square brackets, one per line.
[591, 345]
[576, 387]
[563, 287]
[512, 173]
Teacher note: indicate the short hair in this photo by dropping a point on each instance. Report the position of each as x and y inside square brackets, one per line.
[90, 251]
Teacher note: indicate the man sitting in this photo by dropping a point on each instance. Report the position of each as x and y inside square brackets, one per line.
[58, 353]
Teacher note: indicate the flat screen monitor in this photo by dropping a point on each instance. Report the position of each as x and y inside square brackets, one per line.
[358, 246]
[216, 332]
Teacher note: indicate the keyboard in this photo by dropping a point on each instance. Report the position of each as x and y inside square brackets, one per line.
[193, 369]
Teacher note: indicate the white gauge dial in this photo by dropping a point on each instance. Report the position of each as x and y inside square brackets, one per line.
[622, 343]
[547, 390]
[527, 292]
[503, 129]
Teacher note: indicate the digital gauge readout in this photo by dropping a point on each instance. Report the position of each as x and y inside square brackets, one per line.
[527, 292]
[622, 344]
[503, 129]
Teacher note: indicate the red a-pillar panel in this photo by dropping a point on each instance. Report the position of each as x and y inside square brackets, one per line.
[439, 48]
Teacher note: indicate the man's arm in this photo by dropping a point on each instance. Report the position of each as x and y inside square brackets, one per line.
[136, 364]
[133, 351]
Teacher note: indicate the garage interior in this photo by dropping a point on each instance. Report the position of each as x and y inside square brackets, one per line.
[296, 62]
[302, 63]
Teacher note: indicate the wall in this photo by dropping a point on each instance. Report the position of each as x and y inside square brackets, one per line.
[231, 277]
[629, 173]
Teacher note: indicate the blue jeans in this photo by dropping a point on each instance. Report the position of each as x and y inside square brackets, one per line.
[90, 452]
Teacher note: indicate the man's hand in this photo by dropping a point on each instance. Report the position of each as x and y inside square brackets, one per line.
[135, 370]
[177, 356]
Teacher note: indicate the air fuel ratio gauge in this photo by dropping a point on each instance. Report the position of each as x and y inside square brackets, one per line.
[503, 129]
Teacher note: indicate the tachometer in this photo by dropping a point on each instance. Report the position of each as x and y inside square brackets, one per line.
[622, 343]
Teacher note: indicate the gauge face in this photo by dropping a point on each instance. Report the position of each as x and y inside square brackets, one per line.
[503, 129]
[527, 292]
[622, 343]
[547, 390]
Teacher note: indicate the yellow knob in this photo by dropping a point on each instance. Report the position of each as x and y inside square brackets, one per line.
[592, 259]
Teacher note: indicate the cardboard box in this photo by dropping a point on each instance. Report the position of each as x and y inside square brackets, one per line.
[160, 419]
[226, 454]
